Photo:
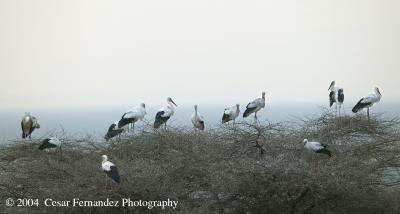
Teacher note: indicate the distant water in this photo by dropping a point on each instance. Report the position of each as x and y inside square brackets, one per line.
[95, 122]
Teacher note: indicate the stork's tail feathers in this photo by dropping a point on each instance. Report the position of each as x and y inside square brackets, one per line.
[359, 106]
[157, 124]
[201, 125]
[225, 118]
[331, 98]
[325, 151]
[46, 145]
[247, 112]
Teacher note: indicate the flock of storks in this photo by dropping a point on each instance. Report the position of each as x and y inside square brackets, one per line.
[129, 118]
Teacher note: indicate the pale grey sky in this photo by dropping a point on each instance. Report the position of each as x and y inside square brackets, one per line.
[99, 52]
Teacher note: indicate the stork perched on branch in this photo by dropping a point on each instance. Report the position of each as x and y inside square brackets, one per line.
[230, 113]
[255, 106]
[113, 131]
[336, 96]
[164, 114]
[368, 101]
[131, 116]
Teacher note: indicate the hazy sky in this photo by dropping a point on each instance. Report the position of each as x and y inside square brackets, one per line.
[107, 53]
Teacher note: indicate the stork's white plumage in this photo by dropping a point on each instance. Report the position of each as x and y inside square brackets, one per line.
[197, 119]
[28, 125]
[164, 113]
[132, 116]
[110, 169]
[368, 101]
[50, 143]
[316, 147]
[255, 106]
[230, 113]
[336, 95]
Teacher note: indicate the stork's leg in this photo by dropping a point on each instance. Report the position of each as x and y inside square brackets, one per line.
[165, 126]
[368, 113]
[106, 181]
[336, 105]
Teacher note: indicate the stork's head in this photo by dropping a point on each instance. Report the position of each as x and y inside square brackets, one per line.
[195, 107]
[263, 94]
[143, 105]
[169, 100]
[305, 141]
[376, 89]
[332, 85]
[237, 105]
[105, 158]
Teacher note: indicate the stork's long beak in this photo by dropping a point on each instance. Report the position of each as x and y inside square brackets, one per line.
[174, 103]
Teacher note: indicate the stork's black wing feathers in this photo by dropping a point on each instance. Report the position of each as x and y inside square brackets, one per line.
[325, 151]
[225, 118]
[125, 121]
[340, 96]
[46, 144]
[201, 125]
[159, 120]
[112, 132]
[248, 110]
[332, 98]
[360, 105]
[113, 174]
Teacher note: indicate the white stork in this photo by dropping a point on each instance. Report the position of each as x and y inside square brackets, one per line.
[197, 119]
[230, 113]
[50, 143]
[368, 101]
[28, 125]
[132, 116]
[110, 169]
[164, 114]
[336, 96]
[255, 106]
[113, 131]
[316, 147]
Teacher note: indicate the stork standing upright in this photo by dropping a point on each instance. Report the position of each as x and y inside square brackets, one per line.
[164, 114]
[197, 119]
[336, 96]
[110, 169]
[254, 107]
[230, 113]
[368, 101]
[28, 125]
[131, 116]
